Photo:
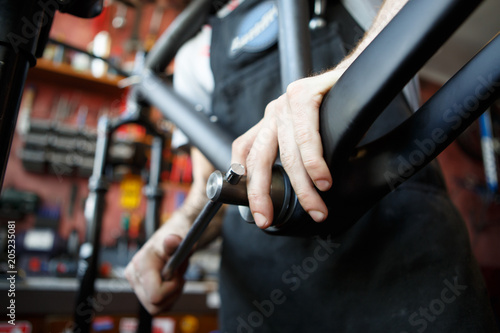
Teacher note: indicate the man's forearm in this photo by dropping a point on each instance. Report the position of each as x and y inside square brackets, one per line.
[387, 11]
[183, 218]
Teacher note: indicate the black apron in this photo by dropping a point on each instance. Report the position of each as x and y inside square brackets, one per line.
[406, 266]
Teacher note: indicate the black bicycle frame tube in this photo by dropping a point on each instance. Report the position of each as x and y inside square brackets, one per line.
[213, 142]
[382, 70]
[294, 41]
[381, 166]
[13, 72]
[436, 124]
[21, 23]
[182, 29]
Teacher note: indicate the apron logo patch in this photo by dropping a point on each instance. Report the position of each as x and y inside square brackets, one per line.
[257, 31]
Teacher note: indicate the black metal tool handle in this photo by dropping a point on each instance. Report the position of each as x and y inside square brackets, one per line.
[214, 187]
[194, 234]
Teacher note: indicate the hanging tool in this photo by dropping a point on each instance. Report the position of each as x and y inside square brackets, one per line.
[120, 19]
[133, 44]
[154, 26]
[488, 151]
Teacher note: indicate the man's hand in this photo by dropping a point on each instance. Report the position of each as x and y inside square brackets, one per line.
[290, 125]
[144, 272]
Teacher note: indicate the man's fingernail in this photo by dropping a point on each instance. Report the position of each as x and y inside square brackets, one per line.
[317, 215]
[260, 219]
[322, 185]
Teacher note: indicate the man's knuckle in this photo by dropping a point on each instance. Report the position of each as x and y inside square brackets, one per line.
[287, 159]
[153, 311]
[268, 111]
[128, 274]
[296, 88]
[252, 158]
[265, 135]
[254, 197]
[312, 164]
[304, 197]
[157, 298]
[303, 135]
[240, 143]
[236, 144]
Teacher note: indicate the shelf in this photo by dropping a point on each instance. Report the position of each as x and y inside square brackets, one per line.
[64, 75]
[32, 295]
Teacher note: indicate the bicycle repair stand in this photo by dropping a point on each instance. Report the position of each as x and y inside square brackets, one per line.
[138, 114]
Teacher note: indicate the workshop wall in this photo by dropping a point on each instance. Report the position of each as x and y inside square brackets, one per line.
[62, 95]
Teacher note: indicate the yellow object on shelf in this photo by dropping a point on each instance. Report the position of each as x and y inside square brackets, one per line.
[189, 324]
[130, 189]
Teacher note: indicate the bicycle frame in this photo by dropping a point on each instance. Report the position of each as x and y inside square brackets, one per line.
[363, 175]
